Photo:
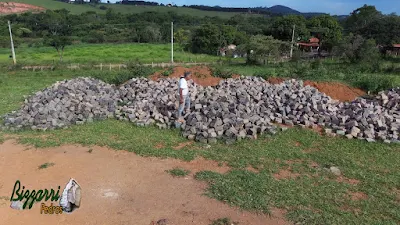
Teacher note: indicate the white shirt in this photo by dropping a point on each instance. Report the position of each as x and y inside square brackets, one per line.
[184, 86]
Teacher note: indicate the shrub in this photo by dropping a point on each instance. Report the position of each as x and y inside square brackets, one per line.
[316, 64]
[103, 7]
[133, 71]
[168, 72]
[374, 83]
[178, 172]
[223, 221]
[219, 72]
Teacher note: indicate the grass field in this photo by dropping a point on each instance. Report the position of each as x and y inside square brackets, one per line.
[78, 9]
[103, 53]
[310, 196]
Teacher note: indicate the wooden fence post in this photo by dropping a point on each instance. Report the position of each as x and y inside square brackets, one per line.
[110, 66]
[101, 66]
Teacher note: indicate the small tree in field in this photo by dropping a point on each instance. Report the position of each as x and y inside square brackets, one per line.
[59, 43]
[58, 31]
[261, 47]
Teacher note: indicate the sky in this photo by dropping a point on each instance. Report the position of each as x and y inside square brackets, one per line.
[333, 7]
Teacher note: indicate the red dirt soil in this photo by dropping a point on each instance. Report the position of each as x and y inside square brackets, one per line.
[118, 187]
[342, 179]
[335, 90]
[201, 75]
[356, 196]
[285, 174]
[14, 7]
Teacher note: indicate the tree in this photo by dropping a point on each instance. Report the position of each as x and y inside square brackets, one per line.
[182, 37]
[260, 47]
[150, 34]
[59, 32]
[282, 27]
[327, 29]
[209, 38]
[59, 43]
[361, 18]
[357, 49]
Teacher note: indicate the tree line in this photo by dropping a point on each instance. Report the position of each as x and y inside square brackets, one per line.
[206, 34]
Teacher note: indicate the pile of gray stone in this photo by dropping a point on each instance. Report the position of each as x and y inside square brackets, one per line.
[65, 103]
[233, 110]
[146, 102]
[376, 118]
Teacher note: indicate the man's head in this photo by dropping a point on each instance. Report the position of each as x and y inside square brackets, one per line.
[186, 75]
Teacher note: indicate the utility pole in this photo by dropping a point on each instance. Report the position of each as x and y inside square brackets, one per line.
[12, 44]
[292, 45]
[172, 42]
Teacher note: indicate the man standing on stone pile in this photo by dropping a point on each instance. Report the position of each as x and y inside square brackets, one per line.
[184, 95]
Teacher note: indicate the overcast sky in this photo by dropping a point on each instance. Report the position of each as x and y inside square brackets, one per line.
[335, 7]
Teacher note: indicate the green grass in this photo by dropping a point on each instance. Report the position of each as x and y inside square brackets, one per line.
[45, 165]
[103, 53]
[78, 9]
[178, 172]
[313, 197]
[223, 221]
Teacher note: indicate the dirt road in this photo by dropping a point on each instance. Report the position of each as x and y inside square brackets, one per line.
[118, 187]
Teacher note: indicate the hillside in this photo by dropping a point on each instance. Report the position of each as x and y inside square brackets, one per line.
[78, 9]
[280, 9]
[201, 11]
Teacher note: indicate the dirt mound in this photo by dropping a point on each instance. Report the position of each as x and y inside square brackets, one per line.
[201, 75]
[335, 90]
[14, 7]
[275, 80]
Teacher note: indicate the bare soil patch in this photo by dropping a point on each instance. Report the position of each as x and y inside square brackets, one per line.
[14, 7]
[252, 169]
[397, 193]
[182, 145]
[313, 164]
[291, 162]
[356, 196]
[201, 164]
[285, 174]
[347, 208]
[159, 146]
[118, 187]
[342, 179]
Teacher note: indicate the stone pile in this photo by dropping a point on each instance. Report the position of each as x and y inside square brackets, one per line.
[233, 110]
[376, 118]
[65, 103]
[146, 102]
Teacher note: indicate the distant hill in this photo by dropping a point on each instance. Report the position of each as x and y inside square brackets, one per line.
[280, 9]
[144, 6]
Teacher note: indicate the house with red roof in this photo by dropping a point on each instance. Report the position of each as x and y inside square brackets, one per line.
[393, 49]
[311, 45]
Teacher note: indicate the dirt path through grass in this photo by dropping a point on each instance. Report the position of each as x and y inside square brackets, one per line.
[119, 187]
